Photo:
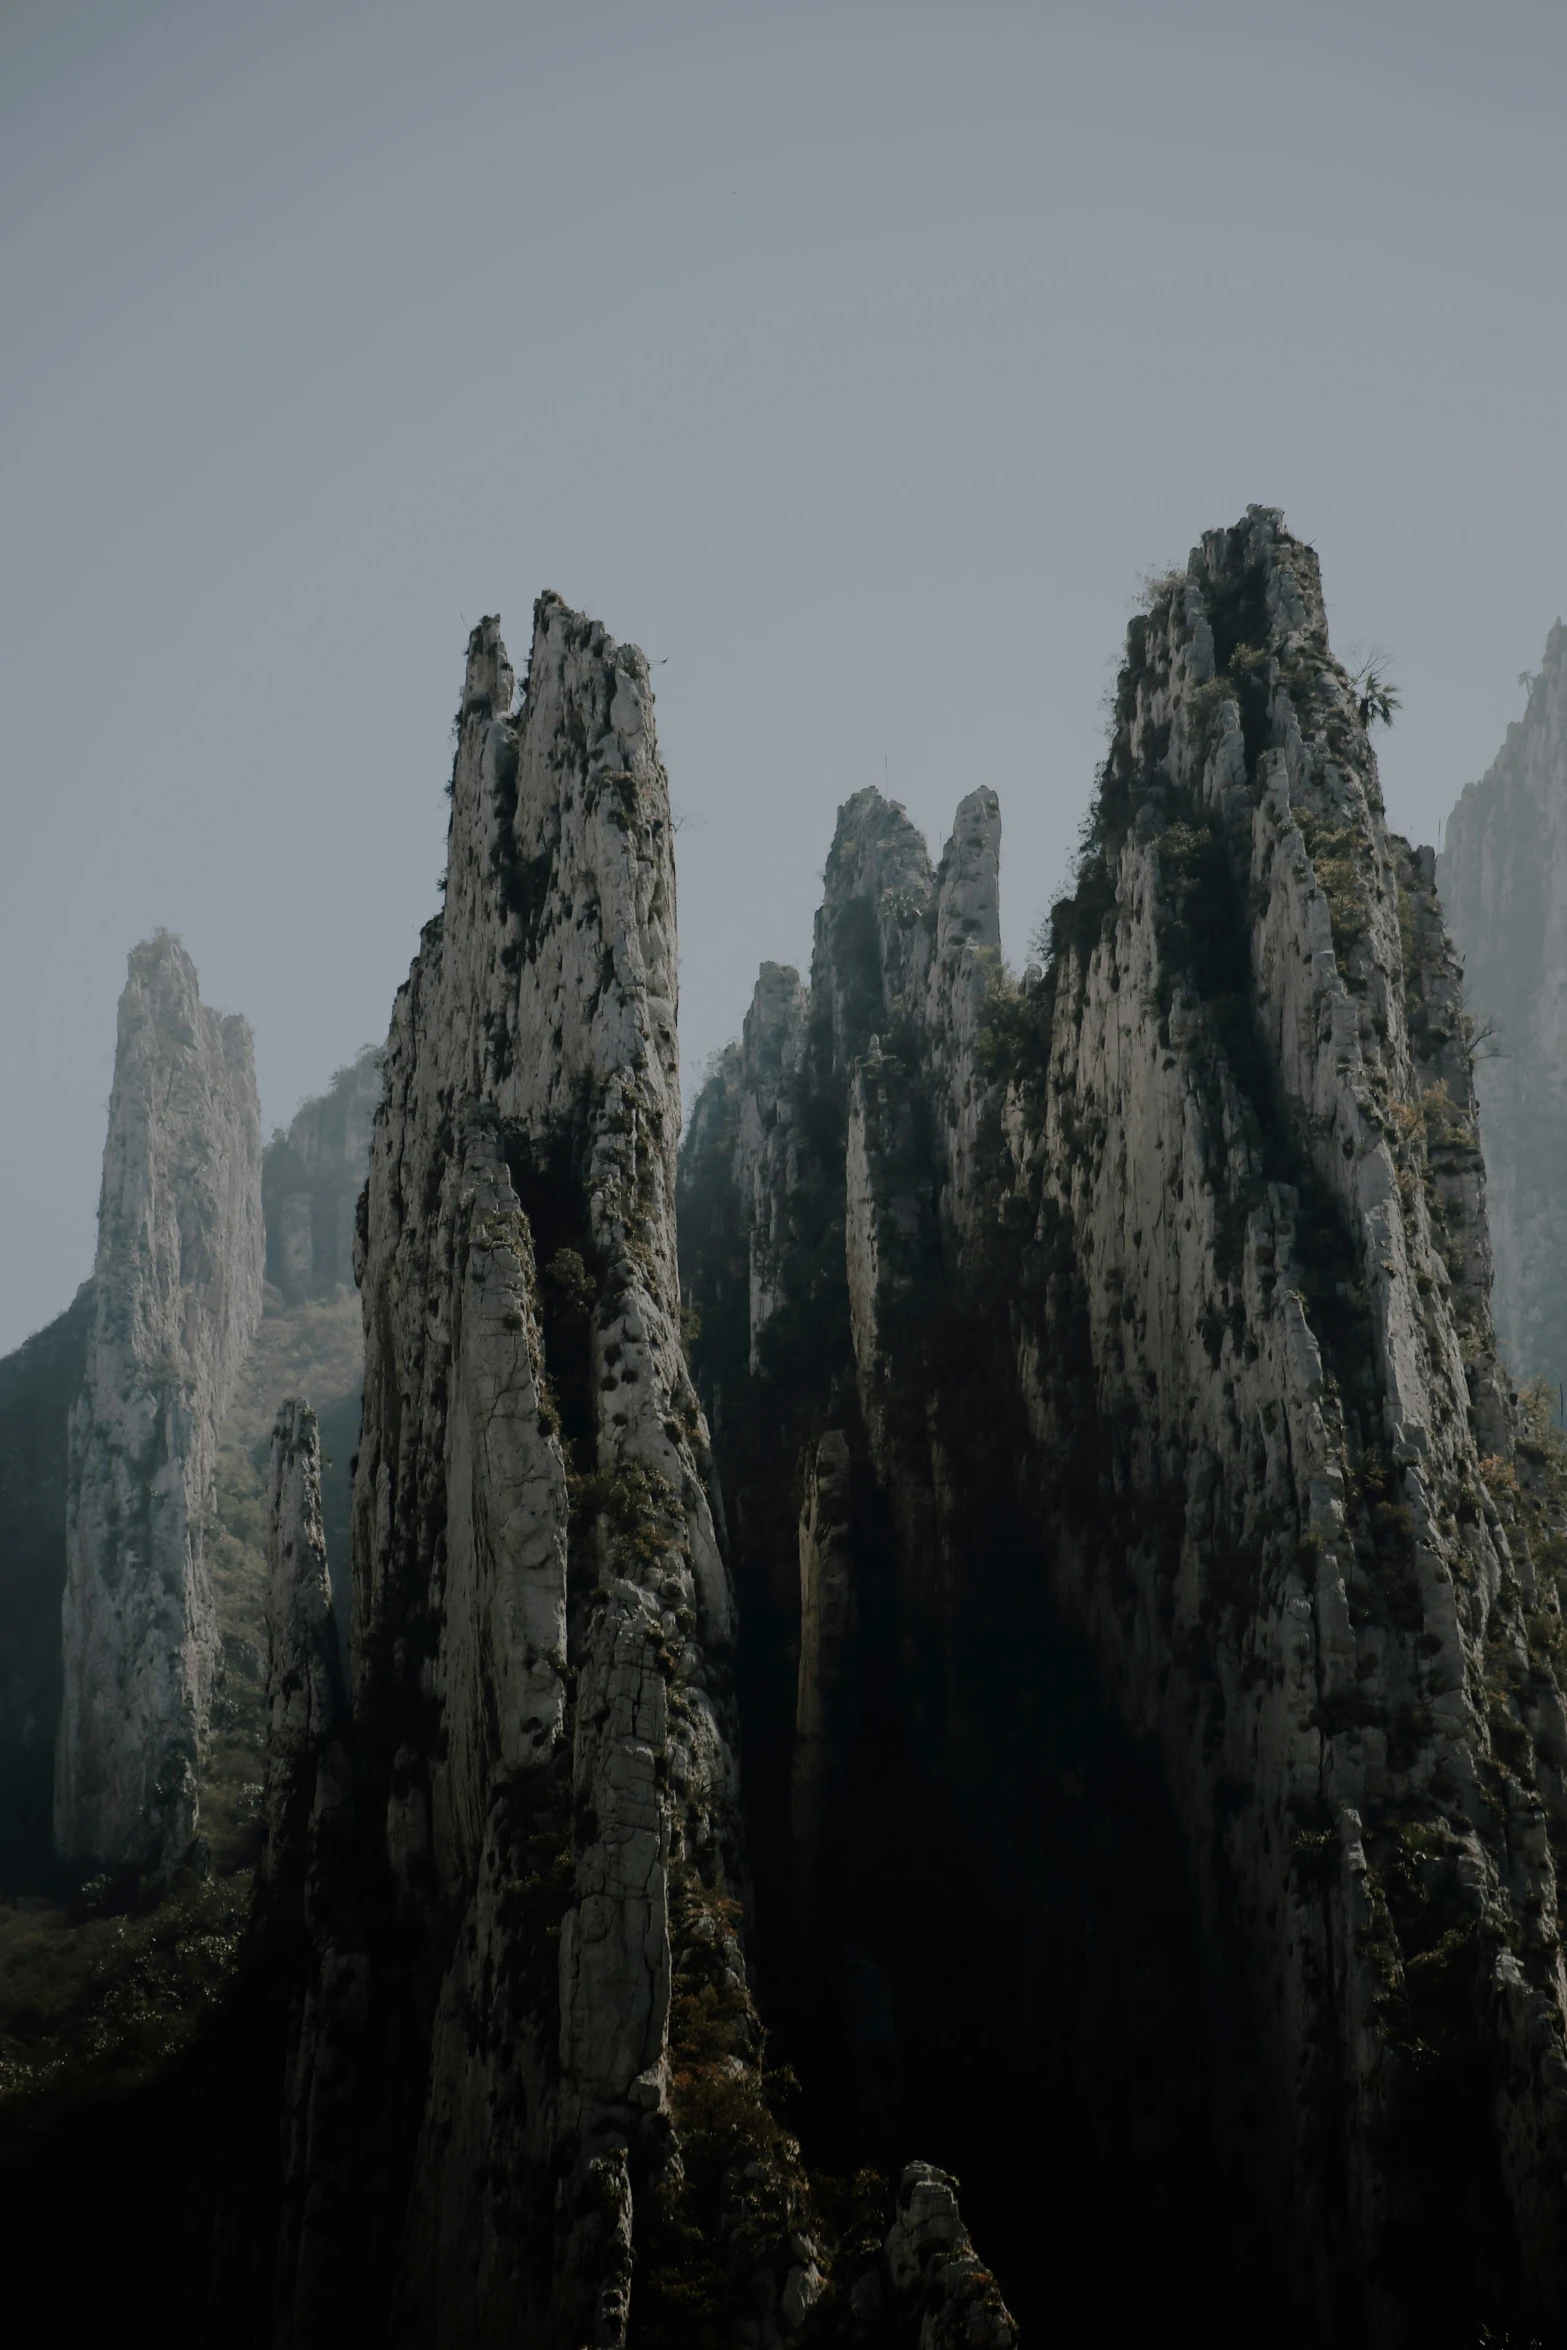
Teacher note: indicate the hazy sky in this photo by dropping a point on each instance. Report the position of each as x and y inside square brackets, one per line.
[854, 360]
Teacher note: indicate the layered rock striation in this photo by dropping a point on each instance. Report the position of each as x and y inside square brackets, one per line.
[176, 1298]
[1151, 1311]
[485, 2088]
[39, 1383]
[1503, 879]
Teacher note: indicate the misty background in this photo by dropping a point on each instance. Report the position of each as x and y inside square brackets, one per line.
[855, 361]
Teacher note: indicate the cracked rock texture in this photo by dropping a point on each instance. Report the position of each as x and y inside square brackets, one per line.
[311, 1178]
[1503, 878]
[307, 1776]
[933, 2274]
[176, 1300]
[479, 2095]
[1150, 1297]
[1254, 1286]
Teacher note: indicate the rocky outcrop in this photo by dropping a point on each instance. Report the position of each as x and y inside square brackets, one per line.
[483, 2100]
[1163, 1321]
[826, 1701]
[38, 1385]
[1503, 879]
[311, 1178]
[307, 1775]
[176, 1301]
[933, 2276]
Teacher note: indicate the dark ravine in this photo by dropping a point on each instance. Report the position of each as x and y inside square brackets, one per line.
[1119, 1340]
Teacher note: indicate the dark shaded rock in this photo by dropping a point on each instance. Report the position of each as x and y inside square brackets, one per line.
[1503, 878]
[176, 1299]
[1150, 1297]
[38, 1385]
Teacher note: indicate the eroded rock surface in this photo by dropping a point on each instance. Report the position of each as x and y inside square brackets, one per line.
[542, 1619]
[1158, 1283]
[1254, 1297]
[1503, 878]
[307, 1773]
[176, 1301]
[39, 1383]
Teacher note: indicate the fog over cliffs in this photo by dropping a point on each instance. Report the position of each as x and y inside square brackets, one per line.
[176, 1301]
[1503, 876]
[994, 1611]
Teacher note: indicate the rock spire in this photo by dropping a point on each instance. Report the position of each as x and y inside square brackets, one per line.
[545, 1794]
[176, 1300]
[1149, 1300]
[307, 1710]
[311, 1177]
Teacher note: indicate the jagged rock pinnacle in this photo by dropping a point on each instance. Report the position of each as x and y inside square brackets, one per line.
[176, 1301]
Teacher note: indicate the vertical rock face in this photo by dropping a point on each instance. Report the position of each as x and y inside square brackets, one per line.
[524, 2093]
[836, 1155]
[1163, 1322]
[38, 1385]
[311, 1177]
[1254, 1347]
[176, 1301]
[481, 2089]
[1503, 878]
[826, 1700]
[307, 1777]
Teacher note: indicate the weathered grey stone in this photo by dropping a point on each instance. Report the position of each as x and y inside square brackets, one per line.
[307, 1770]
[1203, 1206]
[934, 2276]
[176, 1301]
[542, 1615]
[1315, 1429]
[1503, 878]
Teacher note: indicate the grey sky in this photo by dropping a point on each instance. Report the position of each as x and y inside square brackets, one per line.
[855, 361]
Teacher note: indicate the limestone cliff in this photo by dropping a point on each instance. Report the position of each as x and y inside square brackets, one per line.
[176, 1300]
[1503, 878]
[311, 1177]
[482, 2098]
[1150, 1300]
[1257, 1361]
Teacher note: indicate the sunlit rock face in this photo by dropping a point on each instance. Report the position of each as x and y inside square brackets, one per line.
[176, 1302]
[1149, 1296]
[311, 1178]
[1259, 1371]
[541, 1611]
[1503, 878]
